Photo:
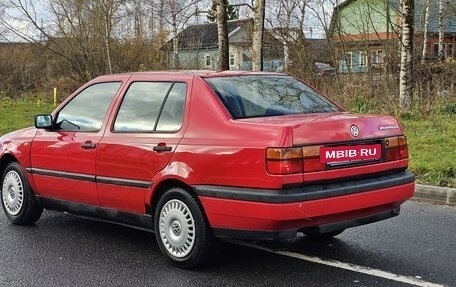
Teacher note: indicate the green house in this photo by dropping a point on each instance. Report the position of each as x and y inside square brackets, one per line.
[366, 33]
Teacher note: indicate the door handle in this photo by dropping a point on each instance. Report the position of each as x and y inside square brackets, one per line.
[88, 145]
[161, 147]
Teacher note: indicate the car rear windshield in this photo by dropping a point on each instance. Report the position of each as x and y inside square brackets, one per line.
[268, 95]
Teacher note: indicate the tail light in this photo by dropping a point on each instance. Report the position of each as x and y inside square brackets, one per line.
[293, 160]
[396, 148]
[311, 155]
[284, 160]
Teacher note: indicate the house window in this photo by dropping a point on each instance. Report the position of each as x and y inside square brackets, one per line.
[208, 61]
[231, 60]
[436, 49]
[362, 59]
[377, 57]
[449, 50]
[349, 58]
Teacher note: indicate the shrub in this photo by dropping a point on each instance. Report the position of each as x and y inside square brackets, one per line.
[362, 104]
[448, 108]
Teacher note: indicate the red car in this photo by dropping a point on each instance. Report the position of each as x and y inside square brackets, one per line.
[195, 156]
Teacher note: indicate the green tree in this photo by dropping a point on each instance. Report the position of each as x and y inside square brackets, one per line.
[231, 11]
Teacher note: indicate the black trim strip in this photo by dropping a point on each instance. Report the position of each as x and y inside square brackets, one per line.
[305, 193]
[100, 213]
[62, 174]
[340, 225]
[91, 178]
[123, 182]
[226, 233]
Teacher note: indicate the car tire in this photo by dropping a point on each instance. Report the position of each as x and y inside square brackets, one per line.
[316, 234]
[181, 229]
[18, 201]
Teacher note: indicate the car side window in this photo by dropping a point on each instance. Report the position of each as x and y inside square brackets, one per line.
[87, 110]
[152, 107]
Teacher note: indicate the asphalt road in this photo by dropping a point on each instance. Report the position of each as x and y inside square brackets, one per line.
[419, 246]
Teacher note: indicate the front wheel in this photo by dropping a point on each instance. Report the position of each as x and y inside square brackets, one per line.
[18, 201]
[182, 232]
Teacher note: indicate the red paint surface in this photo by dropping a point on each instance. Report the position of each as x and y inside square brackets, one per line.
[210, 149]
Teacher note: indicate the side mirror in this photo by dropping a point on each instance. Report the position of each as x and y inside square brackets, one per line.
[43, 121]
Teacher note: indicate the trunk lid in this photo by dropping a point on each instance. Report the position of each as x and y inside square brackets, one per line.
[340, 146]
[333, 127]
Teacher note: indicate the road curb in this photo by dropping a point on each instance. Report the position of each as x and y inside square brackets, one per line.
[435, 194]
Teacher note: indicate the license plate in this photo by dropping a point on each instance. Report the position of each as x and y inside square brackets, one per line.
[350, 153]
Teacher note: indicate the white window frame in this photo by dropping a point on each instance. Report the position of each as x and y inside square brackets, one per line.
[208, 60]
[363, 59]
[232, 62]
[377, 57]
[349, 56]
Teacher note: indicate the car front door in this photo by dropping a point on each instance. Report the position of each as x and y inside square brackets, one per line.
[63, 159]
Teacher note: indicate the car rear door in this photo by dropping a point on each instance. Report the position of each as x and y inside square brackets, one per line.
[140, 140]
[63, 159]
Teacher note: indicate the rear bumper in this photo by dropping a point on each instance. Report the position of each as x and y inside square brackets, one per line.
[292, 233]
[274, 214]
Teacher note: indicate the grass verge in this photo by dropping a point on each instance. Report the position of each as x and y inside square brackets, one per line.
[432, 141]
[20, 113]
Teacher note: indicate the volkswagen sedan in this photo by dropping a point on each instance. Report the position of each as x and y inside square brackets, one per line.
[196, 156]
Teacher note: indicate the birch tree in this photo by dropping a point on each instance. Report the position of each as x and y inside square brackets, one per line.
[425, 31]
[222, 34]
[287, 18]
[2, 32]
[231, 11]
[156, 12]
[441, 53]
[405, 75]
[257, 38]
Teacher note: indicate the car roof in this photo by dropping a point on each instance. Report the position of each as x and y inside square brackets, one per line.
[198, 73]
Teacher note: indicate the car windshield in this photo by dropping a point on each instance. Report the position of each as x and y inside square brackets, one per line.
[268, 95]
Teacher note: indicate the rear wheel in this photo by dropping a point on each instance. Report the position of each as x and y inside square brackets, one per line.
[18, 201]
[182, 232]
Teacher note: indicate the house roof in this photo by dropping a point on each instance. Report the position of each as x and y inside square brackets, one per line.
[204, 36]
[420, 7]
[318, 44]
[9, 44]
[320, 48]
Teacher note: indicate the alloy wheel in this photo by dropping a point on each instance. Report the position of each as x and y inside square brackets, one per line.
[13, 192]
[177, 228]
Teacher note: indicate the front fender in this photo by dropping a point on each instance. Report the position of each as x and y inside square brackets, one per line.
[16, 146]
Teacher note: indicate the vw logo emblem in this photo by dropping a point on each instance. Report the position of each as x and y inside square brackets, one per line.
[354, 130]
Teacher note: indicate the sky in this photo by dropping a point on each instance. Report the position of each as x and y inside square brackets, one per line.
[313, 27]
